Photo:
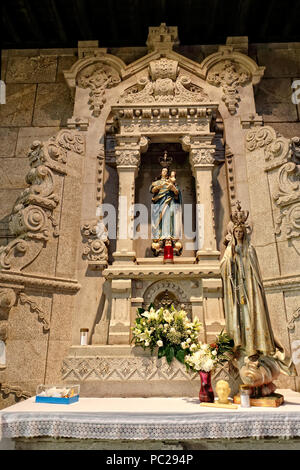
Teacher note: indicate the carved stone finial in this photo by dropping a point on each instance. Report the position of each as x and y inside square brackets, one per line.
[162, 38]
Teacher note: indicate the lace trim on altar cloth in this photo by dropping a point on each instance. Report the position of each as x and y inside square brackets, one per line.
[281, 426]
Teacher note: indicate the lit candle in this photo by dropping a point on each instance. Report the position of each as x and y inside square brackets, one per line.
[168, 252]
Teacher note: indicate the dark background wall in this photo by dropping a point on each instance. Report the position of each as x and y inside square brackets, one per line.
[116, 23]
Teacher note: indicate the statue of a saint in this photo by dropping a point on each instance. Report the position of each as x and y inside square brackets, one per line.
[166, 207]
[245, 304]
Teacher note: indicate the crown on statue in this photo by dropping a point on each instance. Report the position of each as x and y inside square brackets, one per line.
[166, 160]
[239, 216]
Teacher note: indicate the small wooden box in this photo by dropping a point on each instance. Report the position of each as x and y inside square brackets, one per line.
[273, 400]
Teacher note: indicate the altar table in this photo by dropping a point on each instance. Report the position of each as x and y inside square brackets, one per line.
[139, 419]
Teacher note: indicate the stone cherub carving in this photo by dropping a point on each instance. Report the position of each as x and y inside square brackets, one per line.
[259, 356]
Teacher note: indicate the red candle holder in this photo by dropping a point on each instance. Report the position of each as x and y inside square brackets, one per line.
[168, 253]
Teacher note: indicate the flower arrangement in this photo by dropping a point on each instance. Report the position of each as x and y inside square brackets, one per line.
[167, 329]
[207, 356]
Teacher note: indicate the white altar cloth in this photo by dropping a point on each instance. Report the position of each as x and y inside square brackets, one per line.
[150, 419]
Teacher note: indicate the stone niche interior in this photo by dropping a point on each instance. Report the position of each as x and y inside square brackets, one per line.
[57, 276]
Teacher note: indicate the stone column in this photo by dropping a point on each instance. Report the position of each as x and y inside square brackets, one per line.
[201, 153]
[128, 151]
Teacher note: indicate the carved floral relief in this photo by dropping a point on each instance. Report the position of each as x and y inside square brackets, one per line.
[230, 76]
[98, 78]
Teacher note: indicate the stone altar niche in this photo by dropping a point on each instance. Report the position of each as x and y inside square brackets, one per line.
[161, 98]
[60, 248]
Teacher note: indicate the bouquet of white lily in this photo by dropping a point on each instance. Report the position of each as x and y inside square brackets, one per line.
[207, 356]
[169, 330]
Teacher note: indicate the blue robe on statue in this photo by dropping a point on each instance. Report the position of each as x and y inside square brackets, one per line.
[166, 211]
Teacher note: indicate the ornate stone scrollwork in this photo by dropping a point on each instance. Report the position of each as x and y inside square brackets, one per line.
[230, 76]
[259, 137]
[66, 141]
[95, 239]
[164, 84]
[32, 220]
[288, 184]
[98, 77]
[277, 149]
[281, 153]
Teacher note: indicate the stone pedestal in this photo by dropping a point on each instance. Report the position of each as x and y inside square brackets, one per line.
[119, 327]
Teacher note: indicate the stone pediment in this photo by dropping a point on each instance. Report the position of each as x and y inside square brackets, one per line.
[164, 82]
[163, 75]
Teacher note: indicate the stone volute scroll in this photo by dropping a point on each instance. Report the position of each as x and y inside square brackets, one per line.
[33, 220]
[95, 243]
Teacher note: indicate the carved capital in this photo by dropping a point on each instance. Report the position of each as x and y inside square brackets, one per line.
[200, 148]
[128, 158]
[202, 156]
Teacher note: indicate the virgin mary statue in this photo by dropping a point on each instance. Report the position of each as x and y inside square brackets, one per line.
[246, 310]
[166, 210]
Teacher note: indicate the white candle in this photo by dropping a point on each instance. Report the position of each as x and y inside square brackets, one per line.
[2, 353]
[84, 336]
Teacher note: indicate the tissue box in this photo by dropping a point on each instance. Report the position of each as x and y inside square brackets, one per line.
[59, 394]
